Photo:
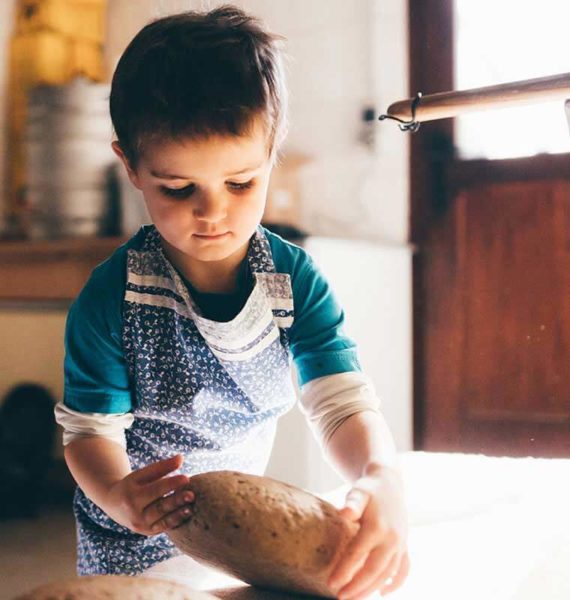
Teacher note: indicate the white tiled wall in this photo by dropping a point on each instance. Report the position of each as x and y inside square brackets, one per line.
[335, 71]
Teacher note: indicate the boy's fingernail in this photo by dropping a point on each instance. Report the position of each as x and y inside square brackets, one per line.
[188, 497]
[336, 586]
[186, 511]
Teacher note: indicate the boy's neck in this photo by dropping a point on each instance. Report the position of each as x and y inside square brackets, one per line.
[214, 277]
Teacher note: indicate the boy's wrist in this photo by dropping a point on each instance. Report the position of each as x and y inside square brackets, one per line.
[376, 468]
[389, 473]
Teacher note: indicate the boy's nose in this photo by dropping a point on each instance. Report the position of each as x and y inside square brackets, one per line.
[211, 208]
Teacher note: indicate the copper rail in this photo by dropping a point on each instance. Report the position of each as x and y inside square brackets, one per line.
[451, 104]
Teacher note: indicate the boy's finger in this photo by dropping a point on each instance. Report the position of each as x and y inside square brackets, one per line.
[355, 503]
[163, 506]
[398, 579]
[354, 556]
[154, 491]
[377, 581]
[158, 469]
[172, 520]
[362, 581]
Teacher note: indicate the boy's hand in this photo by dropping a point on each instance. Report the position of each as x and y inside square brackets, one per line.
[377, 558]
[140, 501]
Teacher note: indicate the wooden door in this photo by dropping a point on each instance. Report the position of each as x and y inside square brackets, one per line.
[491, 281]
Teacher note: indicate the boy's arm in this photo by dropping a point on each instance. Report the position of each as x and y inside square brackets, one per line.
[362, 442]
[96, 463]
[362, 448]
[145, 501]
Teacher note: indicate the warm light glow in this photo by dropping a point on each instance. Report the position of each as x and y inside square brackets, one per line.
[500, 41]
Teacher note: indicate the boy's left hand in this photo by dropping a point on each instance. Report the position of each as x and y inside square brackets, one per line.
[377, 558]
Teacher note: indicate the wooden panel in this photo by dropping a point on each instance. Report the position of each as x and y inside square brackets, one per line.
[515, 281]
[498, 321]
[50, 270]
[463, 174]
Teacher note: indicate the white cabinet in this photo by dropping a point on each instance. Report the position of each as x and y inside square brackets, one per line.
[373, 284]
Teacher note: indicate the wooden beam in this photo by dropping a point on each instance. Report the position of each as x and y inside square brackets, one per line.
[451, 104]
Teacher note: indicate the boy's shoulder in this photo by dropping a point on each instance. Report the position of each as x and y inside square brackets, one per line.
[108, 279]
[113, 268]
[288, 257]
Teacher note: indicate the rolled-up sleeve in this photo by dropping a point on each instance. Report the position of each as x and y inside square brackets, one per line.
[328, 401]
[80, 425]
[96, 381]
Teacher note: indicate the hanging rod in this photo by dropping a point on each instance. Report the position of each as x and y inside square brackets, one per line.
[451, 104]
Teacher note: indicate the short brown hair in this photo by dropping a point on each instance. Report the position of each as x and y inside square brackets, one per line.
[199, 74]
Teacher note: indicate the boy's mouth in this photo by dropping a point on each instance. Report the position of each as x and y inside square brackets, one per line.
[211, 236]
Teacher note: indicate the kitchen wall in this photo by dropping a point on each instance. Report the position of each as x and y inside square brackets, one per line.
[343, 56]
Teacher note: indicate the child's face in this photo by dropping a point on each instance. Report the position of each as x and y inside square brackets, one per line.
[203, 207]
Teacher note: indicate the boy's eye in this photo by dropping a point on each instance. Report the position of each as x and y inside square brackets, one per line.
[241, 186]
[188, 190]
[183, 192]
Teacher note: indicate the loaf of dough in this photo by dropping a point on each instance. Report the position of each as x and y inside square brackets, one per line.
[114, 587]
[248, 592]
[264, 532]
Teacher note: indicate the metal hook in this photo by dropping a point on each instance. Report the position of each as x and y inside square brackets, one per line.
[411, 125]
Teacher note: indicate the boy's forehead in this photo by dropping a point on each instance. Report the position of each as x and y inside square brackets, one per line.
[228, 155]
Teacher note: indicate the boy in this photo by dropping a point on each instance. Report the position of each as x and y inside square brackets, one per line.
[180, 344]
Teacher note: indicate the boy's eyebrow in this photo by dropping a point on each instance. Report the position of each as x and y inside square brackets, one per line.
[161, 175]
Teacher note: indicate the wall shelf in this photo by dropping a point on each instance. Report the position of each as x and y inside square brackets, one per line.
[49, 271]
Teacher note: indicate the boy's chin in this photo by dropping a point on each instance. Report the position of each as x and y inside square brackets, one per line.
[210, 254]
[209, 251]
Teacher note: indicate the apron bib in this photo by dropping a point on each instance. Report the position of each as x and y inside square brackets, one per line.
[208, 390]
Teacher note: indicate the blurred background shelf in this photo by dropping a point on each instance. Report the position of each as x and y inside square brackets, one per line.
[50, 271]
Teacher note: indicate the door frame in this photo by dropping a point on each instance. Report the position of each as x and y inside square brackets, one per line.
[431, 67]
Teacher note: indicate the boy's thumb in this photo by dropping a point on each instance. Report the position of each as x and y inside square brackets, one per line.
[354, 505]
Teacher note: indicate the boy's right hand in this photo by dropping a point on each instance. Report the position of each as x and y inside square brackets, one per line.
[139, 501]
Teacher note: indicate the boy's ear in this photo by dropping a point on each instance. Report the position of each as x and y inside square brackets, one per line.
[130, 172]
